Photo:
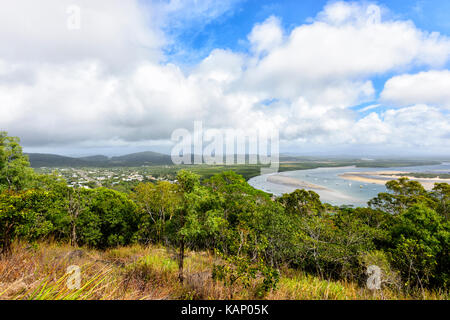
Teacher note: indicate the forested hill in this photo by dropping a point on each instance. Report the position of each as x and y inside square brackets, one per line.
[38, 160]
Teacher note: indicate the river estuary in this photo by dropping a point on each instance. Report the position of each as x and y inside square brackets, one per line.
[333, 188]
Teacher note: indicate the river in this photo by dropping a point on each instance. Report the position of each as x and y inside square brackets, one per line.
[337, 190]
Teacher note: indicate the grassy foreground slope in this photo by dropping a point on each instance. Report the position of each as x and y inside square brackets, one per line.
[137, 272]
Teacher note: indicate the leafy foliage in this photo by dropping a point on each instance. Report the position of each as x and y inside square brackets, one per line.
[15, 170]
[405, 231]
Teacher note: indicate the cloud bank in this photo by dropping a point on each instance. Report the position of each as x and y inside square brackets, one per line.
[109, 83]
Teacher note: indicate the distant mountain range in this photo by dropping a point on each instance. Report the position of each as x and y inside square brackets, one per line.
[149, 158]
[38, 160]
[146, 158]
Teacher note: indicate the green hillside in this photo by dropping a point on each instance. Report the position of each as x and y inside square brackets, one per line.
[39, 160]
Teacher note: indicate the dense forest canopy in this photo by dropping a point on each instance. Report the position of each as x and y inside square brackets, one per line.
[405, 231]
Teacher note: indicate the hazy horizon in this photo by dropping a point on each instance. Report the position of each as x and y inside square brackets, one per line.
[317, 155]
[354, 78]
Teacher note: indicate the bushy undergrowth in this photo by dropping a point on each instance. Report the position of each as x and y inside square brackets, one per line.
[136, 272]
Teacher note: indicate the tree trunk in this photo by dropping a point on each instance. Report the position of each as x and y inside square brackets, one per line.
[181, 261]
[74, 210]
[73, 240]
[6, 245]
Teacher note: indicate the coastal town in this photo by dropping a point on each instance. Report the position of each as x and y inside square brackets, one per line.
[90, 178]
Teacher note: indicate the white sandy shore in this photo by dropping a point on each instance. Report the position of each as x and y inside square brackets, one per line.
[300, 184]
[381, 177]
[293, 182]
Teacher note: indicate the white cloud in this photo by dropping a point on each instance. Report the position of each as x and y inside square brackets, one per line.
[415, 126]
[431, 87]
[60, 87]
[419, 125]
[114, 32]
[221, 66]
[341, 13]
[369, 107]
[345, 45]
[266, 36]
[372, 130]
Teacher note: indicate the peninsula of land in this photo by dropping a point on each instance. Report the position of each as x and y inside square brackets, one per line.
[381, 177]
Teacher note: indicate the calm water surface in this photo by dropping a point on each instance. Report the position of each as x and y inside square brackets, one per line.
[344, 191]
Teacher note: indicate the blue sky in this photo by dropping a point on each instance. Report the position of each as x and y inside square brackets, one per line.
[230, 30]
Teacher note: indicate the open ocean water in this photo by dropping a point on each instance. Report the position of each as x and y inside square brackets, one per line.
[345, 192]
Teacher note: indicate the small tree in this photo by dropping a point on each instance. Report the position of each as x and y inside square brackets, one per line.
[20, 214]
[108, 219]
[403, 194]
[240, 269]
[63, 207]
[15, 171]
[198, 217]
[302, 202]
[441, 194]
[420, 238]
[157, 205]
[74, 207]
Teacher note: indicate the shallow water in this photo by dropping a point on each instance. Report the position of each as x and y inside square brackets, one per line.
[344, 191]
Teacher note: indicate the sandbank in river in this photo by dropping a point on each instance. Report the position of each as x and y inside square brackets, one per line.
[381, 177]
[300, 184]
